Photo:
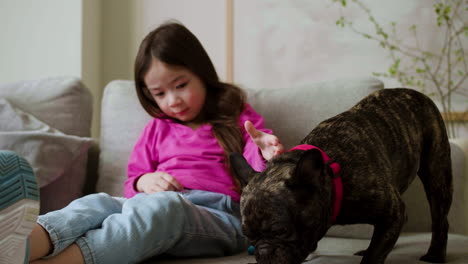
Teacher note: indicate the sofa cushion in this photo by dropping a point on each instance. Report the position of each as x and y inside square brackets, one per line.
[122, 121]
[49, 151]
[65, 104]
[408, 249]
[292, 112]
[52, 154]
[61, 102]
[419, 217]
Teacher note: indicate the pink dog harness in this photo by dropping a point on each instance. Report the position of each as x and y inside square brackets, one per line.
[337, 182]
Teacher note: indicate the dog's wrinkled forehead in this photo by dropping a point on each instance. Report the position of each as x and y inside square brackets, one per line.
[272, 180]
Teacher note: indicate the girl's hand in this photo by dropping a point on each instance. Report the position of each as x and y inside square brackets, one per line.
[269, 145]
[157, 181]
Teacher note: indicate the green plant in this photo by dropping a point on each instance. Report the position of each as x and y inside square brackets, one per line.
[441, 74]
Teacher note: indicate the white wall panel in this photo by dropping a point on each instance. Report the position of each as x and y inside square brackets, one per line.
[39, 39]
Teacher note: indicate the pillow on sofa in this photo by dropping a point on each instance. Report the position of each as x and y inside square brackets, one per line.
[49, 151]
[55, 101]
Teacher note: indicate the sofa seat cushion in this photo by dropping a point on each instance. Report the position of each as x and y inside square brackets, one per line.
[409, 248]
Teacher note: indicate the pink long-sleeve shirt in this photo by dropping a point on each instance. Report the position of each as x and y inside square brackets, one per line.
[193, 157]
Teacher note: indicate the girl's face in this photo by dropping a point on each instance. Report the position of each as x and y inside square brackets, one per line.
[179, 93]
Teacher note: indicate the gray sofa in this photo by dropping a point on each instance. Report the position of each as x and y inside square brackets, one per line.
[63, 104]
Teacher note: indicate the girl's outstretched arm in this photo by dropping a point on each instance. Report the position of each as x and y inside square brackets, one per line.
[269, 145]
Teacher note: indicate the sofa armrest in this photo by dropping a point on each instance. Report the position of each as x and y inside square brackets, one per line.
[63, 105]
[458, 217]
[417, 206]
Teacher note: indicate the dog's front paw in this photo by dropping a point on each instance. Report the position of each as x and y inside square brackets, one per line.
[360, 253]
[432, 258]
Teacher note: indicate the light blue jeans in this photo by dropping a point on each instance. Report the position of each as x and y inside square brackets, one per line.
[118, 230]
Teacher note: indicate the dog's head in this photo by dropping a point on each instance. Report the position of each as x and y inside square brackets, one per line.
[286, 208]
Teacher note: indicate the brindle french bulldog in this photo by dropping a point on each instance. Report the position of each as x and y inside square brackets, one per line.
[381, 144]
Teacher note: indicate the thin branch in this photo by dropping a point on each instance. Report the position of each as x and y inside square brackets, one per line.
[446, 76]
[385, 42]
[441, 58]
[462, 50]
[458, 84]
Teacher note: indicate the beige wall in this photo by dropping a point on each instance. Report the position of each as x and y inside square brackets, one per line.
[95, 40]
[276, 43]
[117, 32]
[52, 38]
[125, 23]
[39, 39]
[91, 67]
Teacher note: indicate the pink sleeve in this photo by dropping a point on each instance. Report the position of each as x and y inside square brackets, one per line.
[251, 151]
[142, 159]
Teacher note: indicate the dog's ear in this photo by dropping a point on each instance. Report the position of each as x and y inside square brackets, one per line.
[241, 168]
[308, 170]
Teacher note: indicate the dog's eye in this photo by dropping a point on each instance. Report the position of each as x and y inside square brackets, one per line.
[280, 231]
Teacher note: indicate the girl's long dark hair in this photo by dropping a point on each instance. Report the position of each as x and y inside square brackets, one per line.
[173, 44]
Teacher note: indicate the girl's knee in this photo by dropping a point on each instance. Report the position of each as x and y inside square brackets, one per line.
[98, 200]
[160, 204]
[102, 197]
[166, 199]
[161, 215]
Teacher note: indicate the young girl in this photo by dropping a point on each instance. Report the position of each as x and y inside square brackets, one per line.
[181, 198]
